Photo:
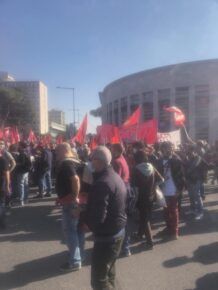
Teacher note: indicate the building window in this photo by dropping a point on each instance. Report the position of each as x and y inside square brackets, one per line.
[134, 102]
[147, 106]
[123, 109]
[202, 93]
[164, 117]
[110, 113]
[182, 102]
[147, 109]
[116, 112]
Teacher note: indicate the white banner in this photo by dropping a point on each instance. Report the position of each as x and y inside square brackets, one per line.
[174, 137]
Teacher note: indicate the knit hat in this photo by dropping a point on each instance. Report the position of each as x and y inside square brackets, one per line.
[102, 153]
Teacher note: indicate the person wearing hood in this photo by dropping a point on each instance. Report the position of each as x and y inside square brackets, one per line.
[106, 218]
[144, 179]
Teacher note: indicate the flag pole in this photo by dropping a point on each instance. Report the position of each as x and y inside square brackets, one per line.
[187, 135]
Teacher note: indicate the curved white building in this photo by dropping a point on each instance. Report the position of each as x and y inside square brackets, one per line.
[192, 86]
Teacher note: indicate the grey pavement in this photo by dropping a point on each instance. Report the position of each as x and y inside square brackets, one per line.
[31, 251]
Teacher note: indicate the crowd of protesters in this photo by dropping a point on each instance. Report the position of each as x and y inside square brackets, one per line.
[101, 190]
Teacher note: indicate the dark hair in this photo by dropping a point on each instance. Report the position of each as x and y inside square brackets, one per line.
[140, 156]
[166, 145]
[139, 145]
[13, 147]
[22, 145]
[118, 147]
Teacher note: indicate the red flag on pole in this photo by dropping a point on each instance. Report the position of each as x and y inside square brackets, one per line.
[32, 137]
[93, 143]
[108, 134]
[179, 116]
[146, 131]
[6, 133]
[16, 135]
[81, 134]
[59, 139]
[134, 119]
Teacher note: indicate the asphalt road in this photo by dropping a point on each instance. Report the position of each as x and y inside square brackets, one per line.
[31, 251]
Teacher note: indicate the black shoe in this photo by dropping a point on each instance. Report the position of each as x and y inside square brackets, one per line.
[38, 196]
[69, 268]
[149, 247]
[136, 237]
[48, 194]
[126, 253]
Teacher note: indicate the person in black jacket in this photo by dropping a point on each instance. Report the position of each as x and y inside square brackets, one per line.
[22, 170]
[143, 177]
[171, 168]
[43, 166]
[196, 170]
[106, 218]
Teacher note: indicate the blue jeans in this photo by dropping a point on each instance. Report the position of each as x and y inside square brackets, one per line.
[23, 185]
[195, 197]
[74, 238]
[2, 209]
[202, 190]
[45, 182]
[126, 240]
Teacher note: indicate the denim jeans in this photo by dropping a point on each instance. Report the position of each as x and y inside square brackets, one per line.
[2, 209]
[23, 185]
[195, 196]
[44, 182]
[126, 240]
[74, 238]
[14, 185]
[202, 189]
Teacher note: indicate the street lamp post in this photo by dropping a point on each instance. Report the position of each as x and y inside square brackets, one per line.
[74, 110]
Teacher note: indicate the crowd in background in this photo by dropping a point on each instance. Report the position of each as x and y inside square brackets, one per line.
[101, 190]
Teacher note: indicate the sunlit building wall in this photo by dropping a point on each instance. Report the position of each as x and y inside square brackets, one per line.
[37, 92]
[192, 86]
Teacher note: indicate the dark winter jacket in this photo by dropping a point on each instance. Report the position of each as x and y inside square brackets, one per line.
[106, 205]
[143, 178]
[196, 169]
[177, 171]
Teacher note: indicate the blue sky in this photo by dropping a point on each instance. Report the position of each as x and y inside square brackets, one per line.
[89, 43]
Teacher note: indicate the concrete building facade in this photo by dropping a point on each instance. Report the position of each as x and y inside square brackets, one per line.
[191, 86]
[37, 92]
[56, 116]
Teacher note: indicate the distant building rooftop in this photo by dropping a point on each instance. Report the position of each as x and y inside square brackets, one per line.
[4, 76]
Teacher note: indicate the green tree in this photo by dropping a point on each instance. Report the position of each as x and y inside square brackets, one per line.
[16, 109]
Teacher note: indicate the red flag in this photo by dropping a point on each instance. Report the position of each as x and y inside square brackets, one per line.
[108, 134]
[134, 119]
[6, 133]
[146, 131]
[81, 134]
[179, 116]
[93, 143]
[32, 137]
[16, 135]
[59, 139]
[47, 139]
